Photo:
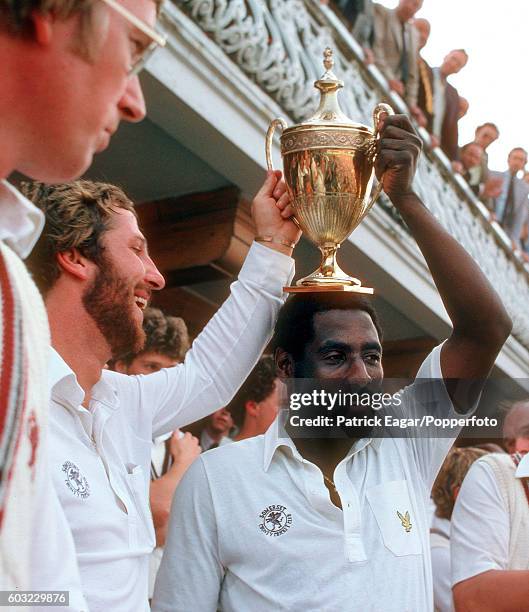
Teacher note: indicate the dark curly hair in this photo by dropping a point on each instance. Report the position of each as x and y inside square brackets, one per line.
[294, 328]
[256, 388]
[163, 334]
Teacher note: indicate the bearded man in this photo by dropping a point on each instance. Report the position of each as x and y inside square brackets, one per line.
[94, 270]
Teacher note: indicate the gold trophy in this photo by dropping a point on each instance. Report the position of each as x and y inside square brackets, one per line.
[328, 166]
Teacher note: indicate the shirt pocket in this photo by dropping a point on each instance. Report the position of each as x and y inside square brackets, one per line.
[390, 503]
[144, 526]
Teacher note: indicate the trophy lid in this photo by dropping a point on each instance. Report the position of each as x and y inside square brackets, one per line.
[329, 112]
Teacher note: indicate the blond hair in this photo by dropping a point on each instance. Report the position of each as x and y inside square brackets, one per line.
[450, 478]
[77, 215]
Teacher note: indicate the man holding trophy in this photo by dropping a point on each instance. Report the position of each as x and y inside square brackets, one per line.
[282, 522]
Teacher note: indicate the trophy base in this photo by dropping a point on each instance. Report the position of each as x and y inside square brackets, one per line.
[329, 276]
[338, 281]
[328, 288]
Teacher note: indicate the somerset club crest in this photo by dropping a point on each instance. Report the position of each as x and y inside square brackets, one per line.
[77, 484]
[275, 520]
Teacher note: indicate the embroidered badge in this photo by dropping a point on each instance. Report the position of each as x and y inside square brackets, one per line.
[275, 520]
[77, 484]
[405, 520]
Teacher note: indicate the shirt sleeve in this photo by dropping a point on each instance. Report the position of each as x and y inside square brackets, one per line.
[226, 350]
[191, 572]
[53, 558]
[479, 535]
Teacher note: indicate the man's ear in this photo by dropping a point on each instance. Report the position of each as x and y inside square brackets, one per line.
[73, 263]
[284, 364]
[42, 27]
[252, 408]
[121, 367]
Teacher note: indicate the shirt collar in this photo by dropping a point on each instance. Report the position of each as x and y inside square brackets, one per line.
[65, 389]
[522, 471]
[273, 441]
[22, 221]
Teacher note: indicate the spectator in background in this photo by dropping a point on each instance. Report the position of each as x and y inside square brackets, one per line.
[360, 16]
[516, 428]
[484, 136]
[526, 177]
[425, 92]
[511, 207]
[470, 156]
[256, 404]
[490, 530]
[443, 123]
[166, 343]
[396, 51]
[444, 494]
[216, 430]
[463, 107]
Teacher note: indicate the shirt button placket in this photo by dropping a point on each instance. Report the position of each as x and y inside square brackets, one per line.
[354, 547]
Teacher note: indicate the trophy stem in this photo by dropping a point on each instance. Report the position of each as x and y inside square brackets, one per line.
[329, 276]
[329, 267]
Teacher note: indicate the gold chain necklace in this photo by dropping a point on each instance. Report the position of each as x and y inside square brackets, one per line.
[331, 482]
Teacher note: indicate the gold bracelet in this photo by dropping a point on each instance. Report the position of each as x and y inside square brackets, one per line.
[275, 240]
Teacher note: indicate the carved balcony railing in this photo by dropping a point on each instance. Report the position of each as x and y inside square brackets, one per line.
[278, 44]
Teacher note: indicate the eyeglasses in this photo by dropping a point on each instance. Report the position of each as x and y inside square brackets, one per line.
[157, 39]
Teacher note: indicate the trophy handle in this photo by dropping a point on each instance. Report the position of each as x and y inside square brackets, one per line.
[378, 111]
[279, 122]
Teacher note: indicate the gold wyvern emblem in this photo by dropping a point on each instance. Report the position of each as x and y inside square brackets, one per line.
[405, 520]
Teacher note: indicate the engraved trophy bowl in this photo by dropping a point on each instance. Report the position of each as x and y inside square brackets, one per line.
[328, 166]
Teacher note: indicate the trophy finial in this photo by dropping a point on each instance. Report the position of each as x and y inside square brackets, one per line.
[328, 61]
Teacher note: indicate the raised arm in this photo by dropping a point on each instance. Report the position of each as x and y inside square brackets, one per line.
[227, 349]
[480, 323]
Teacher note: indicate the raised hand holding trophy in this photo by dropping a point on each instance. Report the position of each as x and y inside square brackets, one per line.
[328, 163]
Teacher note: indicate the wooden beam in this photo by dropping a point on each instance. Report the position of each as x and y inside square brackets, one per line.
[198, 237]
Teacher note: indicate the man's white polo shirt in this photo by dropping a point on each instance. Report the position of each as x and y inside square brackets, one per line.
[480, 526]
[252, 527]
[100, 458]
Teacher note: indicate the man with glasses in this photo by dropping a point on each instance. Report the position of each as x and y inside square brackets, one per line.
[68, 77]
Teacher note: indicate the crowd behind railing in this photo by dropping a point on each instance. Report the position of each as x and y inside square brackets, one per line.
[392, 39]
